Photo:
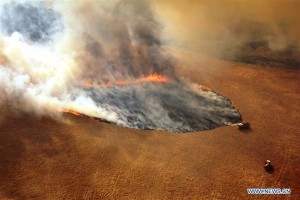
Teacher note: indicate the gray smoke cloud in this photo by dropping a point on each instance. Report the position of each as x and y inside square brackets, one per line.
[33, 21]
[72, 56]
[124, 34]
[264, 32]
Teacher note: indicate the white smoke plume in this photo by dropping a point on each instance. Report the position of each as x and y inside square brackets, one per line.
[51, 50]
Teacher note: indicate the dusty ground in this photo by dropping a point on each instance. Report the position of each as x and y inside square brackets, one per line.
[82, 158]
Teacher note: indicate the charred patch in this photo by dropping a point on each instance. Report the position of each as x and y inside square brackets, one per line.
[172, 106]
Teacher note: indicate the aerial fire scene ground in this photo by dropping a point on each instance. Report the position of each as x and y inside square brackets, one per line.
[149, 99]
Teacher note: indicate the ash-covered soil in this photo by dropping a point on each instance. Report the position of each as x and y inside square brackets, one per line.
[175, 106]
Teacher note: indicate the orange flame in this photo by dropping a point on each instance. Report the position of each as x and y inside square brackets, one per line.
[155, 78]
[202, 87]
[70, 111]
[151, 78]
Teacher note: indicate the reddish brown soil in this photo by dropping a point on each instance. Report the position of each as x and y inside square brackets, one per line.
[81, 158]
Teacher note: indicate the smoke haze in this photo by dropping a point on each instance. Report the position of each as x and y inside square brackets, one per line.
[56, 55]
[260, 32]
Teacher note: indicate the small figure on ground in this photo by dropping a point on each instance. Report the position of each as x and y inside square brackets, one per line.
[268, 167]
[244, 126]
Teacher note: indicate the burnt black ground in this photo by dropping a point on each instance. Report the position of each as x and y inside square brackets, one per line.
[174, 106]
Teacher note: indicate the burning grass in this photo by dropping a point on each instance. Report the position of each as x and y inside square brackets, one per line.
[156, 102]
[152, 78]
